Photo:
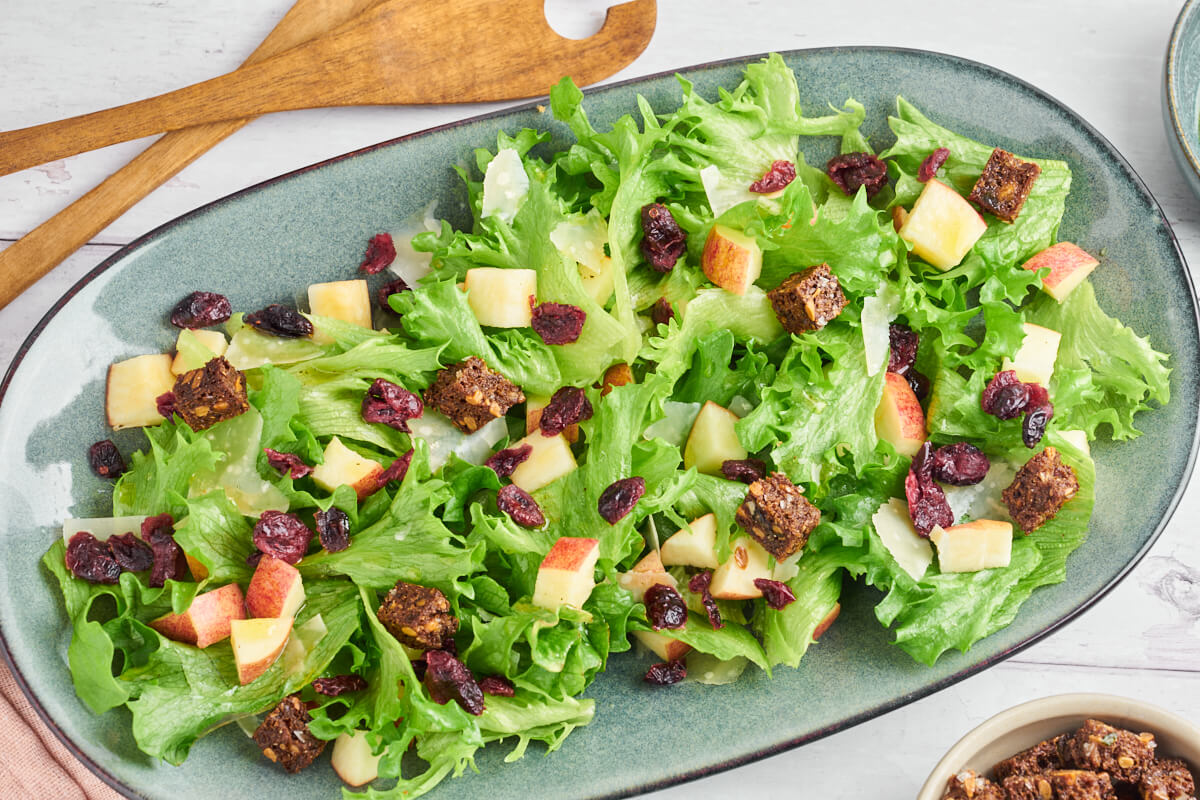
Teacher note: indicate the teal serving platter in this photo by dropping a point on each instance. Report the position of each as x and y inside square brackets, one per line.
[267, 243]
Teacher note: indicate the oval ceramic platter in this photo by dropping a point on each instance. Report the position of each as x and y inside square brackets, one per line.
[268, 243]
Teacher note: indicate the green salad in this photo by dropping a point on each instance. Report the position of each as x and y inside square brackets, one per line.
[673, 391]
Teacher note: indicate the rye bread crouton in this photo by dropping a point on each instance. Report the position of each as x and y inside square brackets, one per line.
[418, 616]
[1005, 184]
[777, 515]
[472, 395]
[1040, 489]
[808, 299]
[284, 736]
[211, 394]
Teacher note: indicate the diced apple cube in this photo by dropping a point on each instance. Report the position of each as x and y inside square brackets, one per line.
[133, 387]
[349, 301]
[695, 547]
[942, 226]
[827, 623]
[353, 760]
[979, 544]
[567, 573]
[646, 573]
[664, 647]
[734, 580]
[550, 460]
[257, 643]
[1069, 266]
[343, 466]
[713, 440]
[195, 348]
[1034, 362]
[731, 259]
[896, 531]
[534, 403]
[899, 419]
[899, 215]
[500, 298]
[275, 590]
[208, 619]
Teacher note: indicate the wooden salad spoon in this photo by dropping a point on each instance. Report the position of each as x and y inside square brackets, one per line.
[29, 258]
[395, 52]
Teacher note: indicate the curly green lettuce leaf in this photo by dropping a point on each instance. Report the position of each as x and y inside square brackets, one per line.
[157, 482]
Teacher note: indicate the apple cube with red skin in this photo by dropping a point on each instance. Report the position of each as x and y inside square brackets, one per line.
[826, 623]
[1069, 266]
[343, 466]
[695, 547]
[664, 647]
[550, 459]
[567, 576]
[899, 418]
[731, 259]
[734, 579]
[257, 643]
[646, 573]
[942, 226]
[353, 760]
[208, 619]
[972, 546]
[275, 590]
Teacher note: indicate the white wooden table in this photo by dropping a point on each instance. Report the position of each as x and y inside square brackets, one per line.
[1103, 58]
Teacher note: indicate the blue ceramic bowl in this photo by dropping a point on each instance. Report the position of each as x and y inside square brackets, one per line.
[1181, 93]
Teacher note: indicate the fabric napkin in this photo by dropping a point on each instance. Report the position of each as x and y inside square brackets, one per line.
[34, 764]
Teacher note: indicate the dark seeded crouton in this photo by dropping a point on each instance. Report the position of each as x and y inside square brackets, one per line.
[1034, 761]
[1004, 185]
[1040, 489]
[284, 737]
[419, 616]
[1074, 784]
[211, 394]
[808, 300]
[1167, 780]
[1027, 787]
[472, 395]
[966, 785]
[777, 515]
[1124, 755]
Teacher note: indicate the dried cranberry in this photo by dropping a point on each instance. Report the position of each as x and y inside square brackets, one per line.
[333, 529]
[932, 162]
[700, 584]
[92, 560]
[506, 461]
[1038, 396]
[447, 679]
[287, 463]
[746, 470]
[200, 310]
[396, 470]
[959, 464]
[105, 459]
[281, 321]
[852, 170]
[568, 406]
[619, 498]
[666, 673]
[391, 405]
[662, 313]
[1034, 427]
[169, 561]
[381, 252]
[282, 536]
[918, 383]
[777, 177]
[131, 553]
[518, 504]
[664, 241]
[558, 323]
[777, 593]
[904, 342]
[165, 405]
[664, 607]
[927, 504]
[1004, 396]
[339, 684]
[496, 685]
[390, 288]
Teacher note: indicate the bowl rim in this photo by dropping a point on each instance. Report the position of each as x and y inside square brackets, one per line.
[1087, 704]
[1119, 162]
[1171, 88]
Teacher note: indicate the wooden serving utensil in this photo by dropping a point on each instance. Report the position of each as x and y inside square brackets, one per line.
[39, 251]
[395, 52]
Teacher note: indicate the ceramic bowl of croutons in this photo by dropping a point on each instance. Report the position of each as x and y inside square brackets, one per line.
[1181, 93]
[1072, 747]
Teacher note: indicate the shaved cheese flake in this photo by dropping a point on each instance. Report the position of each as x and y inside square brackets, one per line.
[896, 531]
[582, 238]
[504, 186]
[877, 313]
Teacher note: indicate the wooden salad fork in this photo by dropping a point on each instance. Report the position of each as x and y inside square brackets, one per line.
[395, 52]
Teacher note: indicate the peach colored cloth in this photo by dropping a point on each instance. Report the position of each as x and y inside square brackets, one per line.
[34, 765]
